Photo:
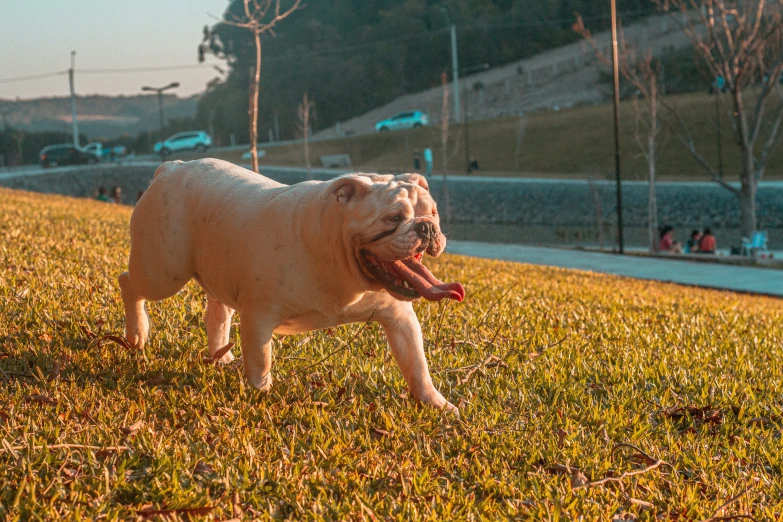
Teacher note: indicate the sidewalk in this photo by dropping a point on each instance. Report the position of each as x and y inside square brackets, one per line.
[735, 278]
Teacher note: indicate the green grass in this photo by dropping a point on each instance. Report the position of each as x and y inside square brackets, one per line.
[552, 370]
[574, 143]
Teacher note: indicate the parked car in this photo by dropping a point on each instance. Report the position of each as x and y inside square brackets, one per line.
[403, 120]
[66, 154]
[104, 152]
[193, 140]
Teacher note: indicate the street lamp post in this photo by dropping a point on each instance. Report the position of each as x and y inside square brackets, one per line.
[454, 61]
[616, 71]
[160, 90]
[74, 123]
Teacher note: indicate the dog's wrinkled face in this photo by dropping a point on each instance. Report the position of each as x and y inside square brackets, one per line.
[391, 223]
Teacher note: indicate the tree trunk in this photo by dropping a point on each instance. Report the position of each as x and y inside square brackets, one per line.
[253, 110]
[748, 195]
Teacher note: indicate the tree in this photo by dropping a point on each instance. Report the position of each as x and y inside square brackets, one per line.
[644, 75]
[303, 129]
[255, 21]
[741, 44]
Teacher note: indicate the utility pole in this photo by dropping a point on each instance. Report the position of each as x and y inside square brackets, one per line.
[160, 90]
[74, 123]
[616, 71]
[454, 61]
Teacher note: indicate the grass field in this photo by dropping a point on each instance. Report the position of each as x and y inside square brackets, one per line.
[574, 143]
[564, 378]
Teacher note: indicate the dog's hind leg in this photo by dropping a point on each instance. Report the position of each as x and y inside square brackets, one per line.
[217, 318]
[137, 323]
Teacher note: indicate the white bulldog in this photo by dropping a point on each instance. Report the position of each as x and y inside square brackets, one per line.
[290, 258]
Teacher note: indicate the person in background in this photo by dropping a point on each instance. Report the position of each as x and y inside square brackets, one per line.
[428, 161]
[692, 245]
[707, 243]
[667, 243]
[116, 195]
[102, 195]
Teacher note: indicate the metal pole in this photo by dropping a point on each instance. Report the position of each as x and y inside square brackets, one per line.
[74, 123]
[615, 67]
[455, 70]
[467, 134]
[160, 113]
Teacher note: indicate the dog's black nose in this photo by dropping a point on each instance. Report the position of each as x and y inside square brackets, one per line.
[423, 229]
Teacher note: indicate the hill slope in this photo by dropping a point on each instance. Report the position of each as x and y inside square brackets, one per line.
[99, 116]
[560, 78]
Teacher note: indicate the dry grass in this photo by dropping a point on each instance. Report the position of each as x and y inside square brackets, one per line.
[556, 373]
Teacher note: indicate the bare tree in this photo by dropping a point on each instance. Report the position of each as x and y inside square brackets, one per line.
[644, 75]
[259, 18]
[303, 130]
[740, 41]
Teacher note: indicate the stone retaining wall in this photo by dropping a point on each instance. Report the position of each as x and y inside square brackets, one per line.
[513, 210]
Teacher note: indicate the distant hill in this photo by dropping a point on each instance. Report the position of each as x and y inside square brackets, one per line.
[99, 116]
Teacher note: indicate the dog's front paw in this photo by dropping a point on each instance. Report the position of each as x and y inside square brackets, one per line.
[260, 382]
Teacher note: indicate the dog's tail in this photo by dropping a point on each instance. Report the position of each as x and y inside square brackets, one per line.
[167, 166]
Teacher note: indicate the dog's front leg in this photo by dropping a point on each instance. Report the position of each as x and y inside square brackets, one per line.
[256, 337]
[405, 340]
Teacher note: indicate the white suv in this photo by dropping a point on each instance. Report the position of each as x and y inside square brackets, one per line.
[195, 140]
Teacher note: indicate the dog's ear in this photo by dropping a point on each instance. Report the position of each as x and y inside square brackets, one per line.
[416, 179]
[346, 188]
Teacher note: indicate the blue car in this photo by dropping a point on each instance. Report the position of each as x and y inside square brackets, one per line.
[403, 120]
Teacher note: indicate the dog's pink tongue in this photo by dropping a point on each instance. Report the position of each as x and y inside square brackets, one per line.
[430, 288]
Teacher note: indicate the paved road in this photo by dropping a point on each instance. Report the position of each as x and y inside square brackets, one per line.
[726, 277]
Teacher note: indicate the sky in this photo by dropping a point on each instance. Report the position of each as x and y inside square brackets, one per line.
[38, 36]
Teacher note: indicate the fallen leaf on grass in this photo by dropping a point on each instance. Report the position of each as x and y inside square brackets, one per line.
[227, 411]
[379, 433]
[55, 371]
[122, 341]
[578, 479]
[215, 358]
[320, 404]
[89, 333]
[148, 511]
[41, 399]
[157, 380]
[202, 467]
[133, 428]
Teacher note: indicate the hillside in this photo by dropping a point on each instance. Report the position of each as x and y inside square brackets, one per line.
[99, 117]
[574, 143]
[559, 78]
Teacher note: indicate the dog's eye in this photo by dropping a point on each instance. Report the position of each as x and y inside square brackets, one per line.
[396, 219]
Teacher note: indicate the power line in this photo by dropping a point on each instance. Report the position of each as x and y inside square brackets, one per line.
[33, 77]
[145, 69]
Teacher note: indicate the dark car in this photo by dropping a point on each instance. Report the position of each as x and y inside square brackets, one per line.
[66, 154]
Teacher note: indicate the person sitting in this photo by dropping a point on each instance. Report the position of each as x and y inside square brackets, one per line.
[116, 195]
[707, 243]
[102, 195]
[692, 245]
[667, 243]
